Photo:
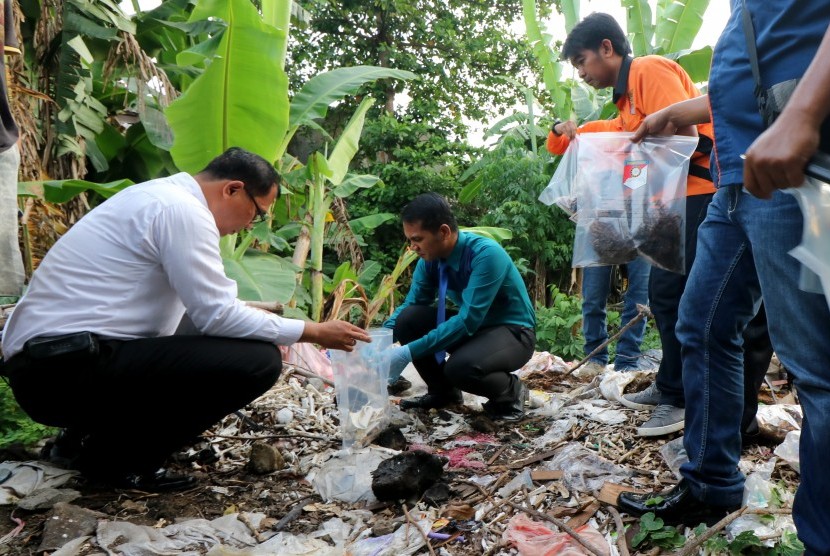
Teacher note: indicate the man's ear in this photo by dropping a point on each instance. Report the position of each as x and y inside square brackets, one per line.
[232, 187]
[445, 231]
[606, 49]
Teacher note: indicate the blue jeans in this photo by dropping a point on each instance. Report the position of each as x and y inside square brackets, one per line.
[742, 252]
[596, 285]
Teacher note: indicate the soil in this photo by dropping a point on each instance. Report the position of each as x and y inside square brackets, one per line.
[220, 462]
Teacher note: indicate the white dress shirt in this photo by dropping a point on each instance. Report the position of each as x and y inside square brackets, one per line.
[132, 266]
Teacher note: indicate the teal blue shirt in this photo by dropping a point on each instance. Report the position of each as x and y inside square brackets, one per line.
[483, 283]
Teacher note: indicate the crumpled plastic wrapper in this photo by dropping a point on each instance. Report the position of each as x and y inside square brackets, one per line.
[347, 476]
[584, 470]
[775, 421]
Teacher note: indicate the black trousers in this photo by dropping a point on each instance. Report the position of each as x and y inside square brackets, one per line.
[665, 290]
[140, 400]
[481, 364]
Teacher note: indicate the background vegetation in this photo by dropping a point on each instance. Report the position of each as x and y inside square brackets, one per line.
[360, 105]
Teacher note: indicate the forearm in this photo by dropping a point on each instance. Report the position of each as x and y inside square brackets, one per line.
[690, 112]
[811, 99]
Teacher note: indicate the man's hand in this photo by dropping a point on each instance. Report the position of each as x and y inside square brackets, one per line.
[675, 119]
[334, 334]
[777, 158]
[567, 128]
[398, 357]
[658, 123]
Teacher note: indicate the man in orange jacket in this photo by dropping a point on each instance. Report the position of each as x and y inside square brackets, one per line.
[599, 50]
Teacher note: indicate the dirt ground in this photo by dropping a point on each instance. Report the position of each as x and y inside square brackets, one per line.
[227, 484]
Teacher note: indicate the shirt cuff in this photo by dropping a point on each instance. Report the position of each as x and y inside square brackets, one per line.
[290, 331]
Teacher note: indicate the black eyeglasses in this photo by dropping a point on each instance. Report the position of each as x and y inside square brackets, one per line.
[261, 215]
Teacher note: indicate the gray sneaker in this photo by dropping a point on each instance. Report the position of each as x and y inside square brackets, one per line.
[665, 419]
[644, 399]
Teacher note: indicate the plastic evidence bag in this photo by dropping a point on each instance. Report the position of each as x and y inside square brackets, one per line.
[560, 191]
[631, 199]
[814, 251]
[360, 381]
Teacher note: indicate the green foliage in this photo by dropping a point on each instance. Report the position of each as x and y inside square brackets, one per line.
[512, 179]
[15, 425]
[558, 329]
[458, 46]
[652, 532]
[410, 158]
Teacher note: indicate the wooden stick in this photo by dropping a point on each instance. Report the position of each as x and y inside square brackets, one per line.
[643, 312]
[499, 452]
[418, 528]
[309, 374]
[621, 544]
[269, 436]
[293, 514]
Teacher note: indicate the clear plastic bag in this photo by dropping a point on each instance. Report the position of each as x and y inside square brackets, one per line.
[814, 251]
[560, 190]
[360, 380]
[631, 199]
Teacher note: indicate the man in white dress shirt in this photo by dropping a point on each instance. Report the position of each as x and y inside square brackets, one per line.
[90, 346]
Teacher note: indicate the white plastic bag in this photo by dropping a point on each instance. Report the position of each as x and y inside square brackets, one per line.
[631, 199]
[814, 251]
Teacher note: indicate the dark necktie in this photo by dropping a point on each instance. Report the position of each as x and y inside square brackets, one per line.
[440, 356]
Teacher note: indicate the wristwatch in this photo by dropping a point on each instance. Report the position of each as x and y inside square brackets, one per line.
[556, 122]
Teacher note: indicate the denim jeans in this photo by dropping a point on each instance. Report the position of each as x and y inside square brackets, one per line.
[742, 252]
[596, 285]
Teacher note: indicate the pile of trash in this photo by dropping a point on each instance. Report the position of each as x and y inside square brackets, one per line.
[275, 478]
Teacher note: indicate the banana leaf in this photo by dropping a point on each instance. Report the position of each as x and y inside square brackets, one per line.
[262, 277]
[347, 144]
[241, 99]
[496, 234]
[679, 24]
[353, 182]
[321, 90]
[60, 191]
[640, 26]
[696, 62]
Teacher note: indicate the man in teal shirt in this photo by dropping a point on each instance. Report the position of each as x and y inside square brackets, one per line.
[490, 334]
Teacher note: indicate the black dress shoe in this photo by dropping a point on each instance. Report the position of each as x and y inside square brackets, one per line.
[513, 410]
[431, 401]
[398, 387]
[678, 505]
[160, 481]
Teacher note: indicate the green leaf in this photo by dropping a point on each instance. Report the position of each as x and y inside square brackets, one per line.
[679, 24]
[353, 182]
[60, 191]
[370, 222]
[650, 522]
[470, 191]
[496, 234]
[242, 97]
[346, 146]
[744, 540]
[640, 26]
[322, 90]
[368, 273]
[695, 62]
[262, 277]
[653, 501]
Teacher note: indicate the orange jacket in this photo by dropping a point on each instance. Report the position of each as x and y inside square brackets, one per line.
[650, 84]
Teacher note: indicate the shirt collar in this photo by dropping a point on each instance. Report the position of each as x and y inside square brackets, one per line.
[454, 260]
[621, 88]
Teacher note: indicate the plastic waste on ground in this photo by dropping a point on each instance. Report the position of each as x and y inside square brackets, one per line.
[584, 470]
[307, 356]
[757, 496]
[630, 199]
[788, 450]
[405, 541]
[775, 421]
[360, 379]
[347, 476]
[613, 383]
[814, 250]
[532, 538]
[674, 454]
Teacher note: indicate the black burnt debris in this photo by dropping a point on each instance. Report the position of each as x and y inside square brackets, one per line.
[406, 476]
[660, 238]
[611, 242]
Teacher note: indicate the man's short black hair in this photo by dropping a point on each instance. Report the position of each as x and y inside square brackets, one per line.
[589, 33]
[431, 210]
[258, 175]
